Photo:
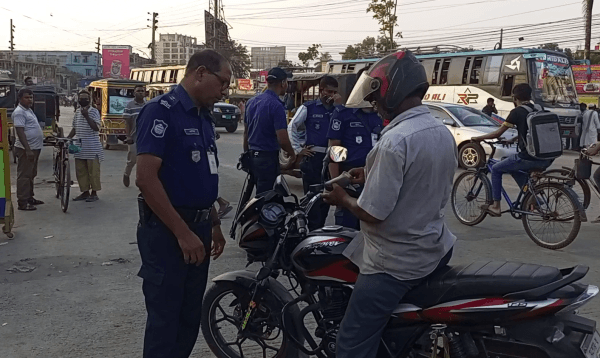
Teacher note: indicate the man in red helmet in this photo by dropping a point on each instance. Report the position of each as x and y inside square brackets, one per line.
[408, 180]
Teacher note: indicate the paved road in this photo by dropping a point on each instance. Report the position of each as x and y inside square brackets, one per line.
[79, 303]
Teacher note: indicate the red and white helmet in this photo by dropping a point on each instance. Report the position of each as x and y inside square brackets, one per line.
[389, 81]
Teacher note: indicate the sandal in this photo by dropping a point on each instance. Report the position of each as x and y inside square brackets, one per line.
[34, 201]
[27, 207]
[225, 211]
[487, 209]
[82, 197]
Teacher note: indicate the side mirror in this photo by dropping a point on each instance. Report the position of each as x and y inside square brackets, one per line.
[448, 122]
[338, 154]
[281, 187]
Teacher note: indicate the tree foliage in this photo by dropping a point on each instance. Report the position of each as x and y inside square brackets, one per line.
[311, 54]
[384, 11]
[238, 57]
[368, 48]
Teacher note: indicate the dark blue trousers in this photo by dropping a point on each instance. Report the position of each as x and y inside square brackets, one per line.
[264, 169]
[312, 168]
[173, 290]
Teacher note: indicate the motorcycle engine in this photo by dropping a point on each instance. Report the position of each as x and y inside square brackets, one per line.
[334, 301]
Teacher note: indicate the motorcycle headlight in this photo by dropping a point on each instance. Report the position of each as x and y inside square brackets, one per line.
[216, 110]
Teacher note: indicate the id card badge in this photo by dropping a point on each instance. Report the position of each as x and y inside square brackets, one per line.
[212, 162]
[374, 138]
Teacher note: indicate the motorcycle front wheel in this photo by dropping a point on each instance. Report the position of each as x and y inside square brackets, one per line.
[224, 309]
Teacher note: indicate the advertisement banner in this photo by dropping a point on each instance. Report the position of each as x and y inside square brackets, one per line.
[245, 84]
[115, 61]
[587, 79]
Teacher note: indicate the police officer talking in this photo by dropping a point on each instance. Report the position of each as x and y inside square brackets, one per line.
[356, 129]
[266, 131]
[178, 180]
[316, 117]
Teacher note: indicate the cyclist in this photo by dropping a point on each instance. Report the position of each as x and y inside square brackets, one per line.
[521, 161]
[593, 150]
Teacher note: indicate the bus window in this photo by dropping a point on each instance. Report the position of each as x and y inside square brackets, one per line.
[492, 69]
[172, 76]
[344, 68]
[507, 86]
[475, 71]
[444, 74]
[436, 68]
[351, 68]
[466, 70]
[152, 75]
[179, 76]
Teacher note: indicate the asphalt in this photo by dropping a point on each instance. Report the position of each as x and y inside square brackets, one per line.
[83, 298]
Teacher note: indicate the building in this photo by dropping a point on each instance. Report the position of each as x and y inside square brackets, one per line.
[135, 60]
[81, 62]
[267, 57]
[175, 49]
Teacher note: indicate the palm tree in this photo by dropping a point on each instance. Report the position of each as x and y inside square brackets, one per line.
[587, 13]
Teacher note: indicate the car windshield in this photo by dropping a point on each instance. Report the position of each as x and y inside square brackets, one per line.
[470, 117]
[554, 81]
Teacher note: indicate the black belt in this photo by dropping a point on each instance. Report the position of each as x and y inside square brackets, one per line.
[194, 215]
[262, 154]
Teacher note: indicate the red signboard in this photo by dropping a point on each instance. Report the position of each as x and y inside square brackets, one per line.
[115, 61]
[587, 79]
[244, 84]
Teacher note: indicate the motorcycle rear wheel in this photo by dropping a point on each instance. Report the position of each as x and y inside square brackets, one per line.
[227, 302]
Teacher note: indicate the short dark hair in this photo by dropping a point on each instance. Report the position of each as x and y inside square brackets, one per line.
[84, 92]
[328, 81]
[490, 100]
[23, 92]
[582, 106]
[522, 92]
[27, 78]
[139, 86]
[210, 59]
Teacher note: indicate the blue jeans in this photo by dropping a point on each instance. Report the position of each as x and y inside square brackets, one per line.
[514, 165]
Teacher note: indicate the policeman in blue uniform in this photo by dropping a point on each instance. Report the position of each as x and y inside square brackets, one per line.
[356, 129]
[265, 132]
[178, 179]
[316, 118]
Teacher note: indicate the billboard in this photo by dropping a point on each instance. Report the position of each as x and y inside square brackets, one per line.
[587, 79]
[245, 84]
[216, 32]
[115, 61]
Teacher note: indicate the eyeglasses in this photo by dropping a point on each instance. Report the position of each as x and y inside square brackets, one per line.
[224, 81]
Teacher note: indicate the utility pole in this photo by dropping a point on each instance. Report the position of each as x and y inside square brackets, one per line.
[501, 35]
[98, 57]
[392, 28]
[154, 28]
[216, 38]
[12, 44]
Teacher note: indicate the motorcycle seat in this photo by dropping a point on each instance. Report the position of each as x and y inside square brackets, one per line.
[480, 280]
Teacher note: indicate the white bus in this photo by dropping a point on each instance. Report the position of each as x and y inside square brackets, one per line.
[470, 78]
[163, 74]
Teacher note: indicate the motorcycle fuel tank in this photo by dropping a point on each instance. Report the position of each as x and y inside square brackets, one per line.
[319, 256]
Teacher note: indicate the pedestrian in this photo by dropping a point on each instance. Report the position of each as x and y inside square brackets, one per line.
[242, 106]
[28, 146]
[594, 149]
[590, 126]
[490, 107]
[29, 81]
[177, 175]
[130, 114]
[86, 125]
[408, 180]
[265, 132]
[358, 130]
[315, 116]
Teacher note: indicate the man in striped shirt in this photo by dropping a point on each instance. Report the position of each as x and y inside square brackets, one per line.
[86, 125]
[130, 115]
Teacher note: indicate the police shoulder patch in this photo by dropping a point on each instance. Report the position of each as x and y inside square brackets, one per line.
[336, 124]
[159, 128]
[165, 103]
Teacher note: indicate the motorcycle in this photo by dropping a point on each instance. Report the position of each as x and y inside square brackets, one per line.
[481, 310]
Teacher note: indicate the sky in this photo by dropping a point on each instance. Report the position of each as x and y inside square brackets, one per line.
[296, 24]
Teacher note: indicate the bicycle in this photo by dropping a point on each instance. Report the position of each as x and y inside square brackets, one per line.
[582, 185]
[548, 208]
[62, 170]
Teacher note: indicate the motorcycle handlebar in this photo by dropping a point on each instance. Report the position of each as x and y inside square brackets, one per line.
[344, 180]
[301, 223]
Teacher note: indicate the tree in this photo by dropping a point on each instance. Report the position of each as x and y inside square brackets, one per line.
[285, 63]
[569, 53]
[237, 55]
[587, 13]
[351, 53]
[311, 54]
[367, 48]
[324, 58]
[551, 46]
[384, 11]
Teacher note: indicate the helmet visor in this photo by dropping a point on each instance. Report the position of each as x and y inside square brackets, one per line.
[362, 89]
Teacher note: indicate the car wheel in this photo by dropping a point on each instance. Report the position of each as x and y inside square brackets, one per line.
[232, 128]
[471, 155]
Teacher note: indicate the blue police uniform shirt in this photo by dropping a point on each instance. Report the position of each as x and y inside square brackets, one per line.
[265, 115]
[358, 132]
[317, 123]
[172, 128]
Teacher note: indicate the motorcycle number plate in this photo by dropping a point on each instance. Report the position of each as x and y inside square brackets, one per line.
[591, 345]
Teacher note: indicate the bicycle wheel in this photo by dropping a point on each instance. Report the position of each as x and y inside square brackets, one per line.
[56, 168]
[66, 185]
[557, 220]
[471, 190]
[581, 187]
